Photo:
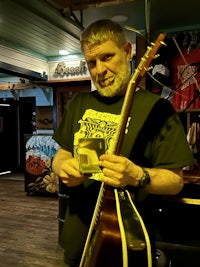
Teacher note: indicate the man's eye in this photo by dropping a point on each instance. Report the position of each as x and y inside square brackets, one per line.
[91, 64]
[107, 57]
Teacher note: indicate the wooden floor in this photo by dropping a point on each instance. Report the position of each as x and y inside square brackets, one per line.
[28, 227]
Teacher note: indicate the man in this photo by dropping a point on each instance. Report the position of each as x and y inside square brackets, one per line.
[154, 148]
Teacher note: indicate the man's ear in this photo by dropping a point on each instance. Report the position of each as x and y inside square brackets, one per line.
[128, 50]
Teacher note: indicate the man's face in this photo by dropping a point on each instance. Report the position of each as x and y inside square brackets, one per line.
[109, 67]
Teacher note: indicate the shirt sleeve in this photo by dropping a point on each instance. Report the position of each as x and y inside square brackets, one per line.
[63, 134]
[170, 148]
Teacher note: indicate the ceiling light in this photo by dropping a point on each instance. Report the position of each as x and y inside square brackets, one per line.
[4, 105]
[63, 52]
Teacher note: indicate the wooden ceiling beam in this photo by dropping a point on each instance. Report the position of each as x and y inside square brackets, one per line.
[21, 72]
[17, 86]
[80, 5]
[64, 3]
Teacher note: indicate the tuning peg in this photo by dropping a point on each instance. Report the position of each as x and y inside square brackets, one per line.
[156, 56]
[148, 69]
[163, 43]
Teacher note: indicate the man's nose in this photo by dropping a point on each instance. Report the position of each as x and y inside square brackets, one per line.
[100, 67]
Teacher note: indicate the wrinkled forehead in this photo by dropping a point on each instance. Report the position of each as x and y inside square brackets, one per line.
[99, 48]
[94, 38]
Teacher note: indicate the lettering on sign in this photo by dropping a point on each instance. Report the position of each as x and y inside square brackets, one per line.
[62, 69]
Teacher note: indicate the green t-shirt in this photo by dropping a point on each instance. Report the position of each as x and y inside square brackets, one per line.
[162, 132]
[154, 138]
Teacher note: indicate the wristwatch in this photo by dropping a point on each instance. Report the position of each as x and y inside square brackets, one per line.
[145, 179]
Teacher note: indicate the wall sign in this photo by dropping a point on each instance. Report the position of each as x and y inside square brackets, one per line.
[63, 69]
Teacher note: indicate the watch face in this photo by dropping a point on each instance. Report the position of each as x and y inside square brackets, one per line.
[145, 180]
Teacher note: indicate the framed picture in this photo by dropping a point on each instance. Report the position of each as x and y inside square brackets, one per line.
[44, 117]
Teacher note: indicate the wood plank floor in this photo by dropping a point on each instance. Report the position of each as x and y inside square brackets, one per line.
[28, 227]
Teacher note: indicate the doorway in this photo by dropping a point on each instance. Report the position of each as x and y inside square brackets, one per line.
[15, 122]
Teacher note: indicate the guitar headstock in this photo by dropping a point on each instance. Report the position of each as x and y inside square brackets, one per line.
[150, 54]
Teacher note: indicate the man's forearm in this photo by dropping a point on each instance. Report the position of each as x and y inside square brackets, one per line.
[164, 181]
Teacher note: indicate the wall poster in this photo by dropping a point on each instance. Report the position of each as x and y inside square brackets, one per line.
[44, 117]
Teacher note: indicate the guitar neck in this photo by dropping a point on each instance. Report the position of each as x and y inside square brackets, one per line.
[131, 89]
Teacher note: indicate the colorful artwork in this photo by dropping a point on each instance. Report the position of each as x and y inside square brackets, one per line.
[40, 177]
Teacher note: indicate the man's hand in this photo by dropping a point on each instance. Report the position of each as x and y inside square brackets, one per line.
[119, 171]
[67, 168]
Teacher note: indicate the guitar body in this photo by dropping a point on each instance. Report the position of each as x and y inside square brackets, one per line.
[105, 248]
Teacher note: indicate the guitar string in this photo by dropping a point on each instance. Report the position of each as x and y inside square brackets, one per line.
[93, 222]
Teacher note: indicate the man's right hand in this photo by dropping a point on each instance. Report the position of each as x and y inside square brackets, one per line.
[67, 168]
